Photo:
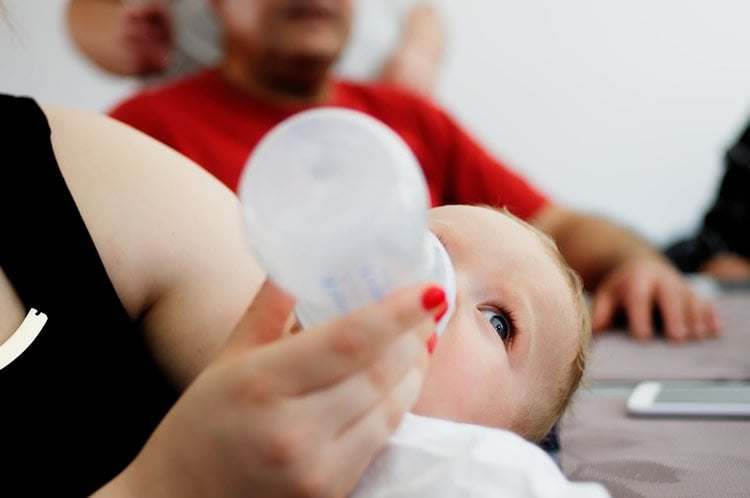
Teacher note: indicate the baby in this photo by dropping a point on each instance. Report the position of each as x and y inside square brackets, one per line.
[513, 353]
[514, 350]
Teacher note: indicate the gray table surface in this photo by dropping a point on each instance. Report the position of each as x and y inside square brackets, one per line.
[661, 457]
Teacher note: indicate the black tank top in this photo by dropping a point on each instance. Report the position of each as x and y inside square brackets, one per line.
[80, 402]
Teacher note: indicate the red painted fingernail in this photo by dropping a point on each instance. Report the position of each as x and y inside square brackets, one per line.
[433, 297]
[440, 314]
[431, 342]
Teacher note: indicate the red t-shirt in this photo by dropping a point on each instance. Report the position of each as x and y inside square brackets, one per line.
[217, 126]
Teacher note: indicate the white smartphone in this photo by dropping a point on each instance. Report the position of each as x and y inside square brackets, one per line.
[690, 398]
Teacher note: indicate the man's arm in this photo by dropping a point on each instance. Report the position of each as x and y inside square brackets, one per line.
[416, 61]
[119, 38]
[626, 273]
[623, 271]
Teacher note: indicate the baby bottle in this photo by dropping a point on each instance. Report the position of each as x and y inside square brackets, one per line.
[335, 207]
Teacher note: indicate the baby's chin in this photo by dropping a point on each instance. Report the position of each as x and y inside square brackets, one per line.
[435, 401]
[455, 414]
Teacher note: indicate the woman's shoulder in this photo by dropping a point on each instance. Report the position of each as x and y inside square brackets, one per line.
[168, 232]
[92, 143]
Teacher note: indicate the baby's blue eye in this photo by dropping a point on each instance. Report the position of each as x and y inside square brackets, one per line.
[502, 324]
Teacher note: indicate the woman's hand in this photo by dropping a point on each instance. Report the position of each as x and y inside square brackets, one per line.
[302, 416]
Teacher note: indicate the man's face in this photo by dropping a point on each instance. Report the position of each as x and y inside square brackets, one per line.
[514, 332]
[283, 30]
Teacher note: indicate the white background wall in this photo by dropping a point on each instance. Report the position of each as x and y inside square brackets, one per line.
[37, 58]
[622, 107]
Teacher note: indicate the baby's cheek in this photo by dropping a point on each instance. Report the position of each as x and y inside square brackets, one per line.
[469, 380]
[452, 388]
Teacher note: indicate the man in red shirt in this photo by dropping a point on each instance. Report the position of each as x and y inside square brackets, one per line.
[278, 60]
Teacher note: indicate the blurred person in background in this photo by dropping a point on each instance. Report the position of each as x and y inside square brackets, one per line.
[396, 41]
[721, 246]
[279, 58]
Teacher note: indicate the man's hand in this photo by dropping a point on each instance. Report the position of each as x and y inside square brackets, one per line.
[147, 37]
[625, 273]
[129, 39]
[642, 285]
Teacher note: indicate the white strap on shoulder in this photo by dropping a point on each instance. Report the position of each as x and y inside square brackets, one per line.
[22, 337]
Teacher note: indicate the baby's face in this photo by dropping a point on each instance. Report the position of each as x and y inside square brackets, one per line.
[514, 332]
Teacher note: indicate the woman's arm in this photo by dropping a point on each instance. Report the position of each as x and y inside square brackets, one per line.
[170, 235]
